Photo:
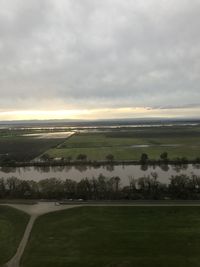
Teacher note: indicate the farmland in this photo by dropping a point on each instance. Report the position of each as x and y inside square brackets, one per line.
[129, 144]
[124, 143]
[12, 226]
[23, 145]
[25, 148]
[116, 236]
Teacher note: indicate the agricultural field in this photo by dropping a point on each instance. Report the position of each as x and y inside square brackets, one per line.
[124, 143]
[26, 145]
[12, 227]
[116, 236]
[129, 144]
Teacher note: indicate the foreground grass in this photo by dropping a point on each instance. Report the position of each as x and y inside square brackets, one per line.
[116, 237]
[12, 227]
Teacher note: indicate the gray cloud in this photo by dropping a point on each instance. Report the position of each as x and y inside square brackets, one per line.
[91, 53]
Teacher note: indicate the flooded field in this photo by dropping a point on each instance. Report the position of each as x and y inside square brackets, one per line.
[123, 142]
[50, 135]
[161, 145]
[79, 172]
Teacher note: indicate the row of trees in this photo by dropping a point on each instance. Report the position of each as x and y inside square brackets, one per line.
[5, 160]
[103, 188]
[144, 159]
[165, 159]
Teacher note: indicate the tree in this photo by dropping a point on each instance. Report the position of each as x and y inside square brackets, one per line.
[180, 186]
[149, 185]
[164, 156]
[69, 158]
[2, 188]
[51, 188]
[110, 157]
[45, 157]
[70, 188]
[144, 158]
[82, 157]
[197, 160]
[184, 160]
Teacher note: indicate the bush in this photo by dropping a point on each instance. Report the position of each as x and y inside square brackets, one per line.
[110, 157]
[82, 157]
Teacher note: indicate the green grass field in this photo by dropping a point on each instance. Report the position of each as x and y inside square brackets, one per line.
[116, 237]
[183, 142]
[12, 227]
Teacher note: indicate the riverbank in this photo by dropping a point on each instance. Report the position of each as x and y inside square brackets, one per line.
[98, 163]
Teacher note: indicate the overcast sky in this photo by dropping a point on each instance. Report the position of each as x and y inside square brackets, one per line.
[99, 58]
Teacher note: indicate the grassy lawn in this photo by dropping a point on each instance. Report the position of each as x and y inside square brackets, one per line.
[12, 227]
[123, 145]
[116, 237]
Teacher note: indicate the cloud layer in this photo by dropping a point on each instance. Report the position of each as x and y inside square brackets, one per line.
[77, 54]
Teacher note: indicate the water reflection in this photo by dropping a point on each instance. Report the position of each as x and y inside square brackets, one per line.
[81, 168]
[144, 167]
[96, 166]
[58, 168]
[196, 166]
[179, 168]
[8, 169]
[42, 169]
[110, 168]
[164, 167]
[26, 168]
[125, 172]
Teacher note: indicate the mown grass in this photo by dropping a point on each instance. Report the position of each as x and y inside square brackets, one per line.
[12, 227]
[116, 237]
[121, 144]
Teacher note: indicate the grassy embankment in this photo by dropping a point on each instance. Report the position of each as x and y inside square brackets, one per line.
[177, 142]
[12, 227]
[116, 236]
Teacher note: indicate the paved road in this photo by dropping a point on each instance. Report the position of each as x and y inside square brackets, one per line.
[45, 207]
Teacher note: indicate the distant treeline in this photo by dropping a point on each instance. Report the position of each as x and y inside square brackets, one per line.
[103, 188]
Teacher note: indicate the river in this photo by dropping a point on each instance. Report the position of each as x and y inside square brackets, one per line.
[125, 172]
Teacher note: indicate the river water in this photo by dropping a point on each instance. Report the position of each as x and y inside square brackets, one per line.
[125, 172]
